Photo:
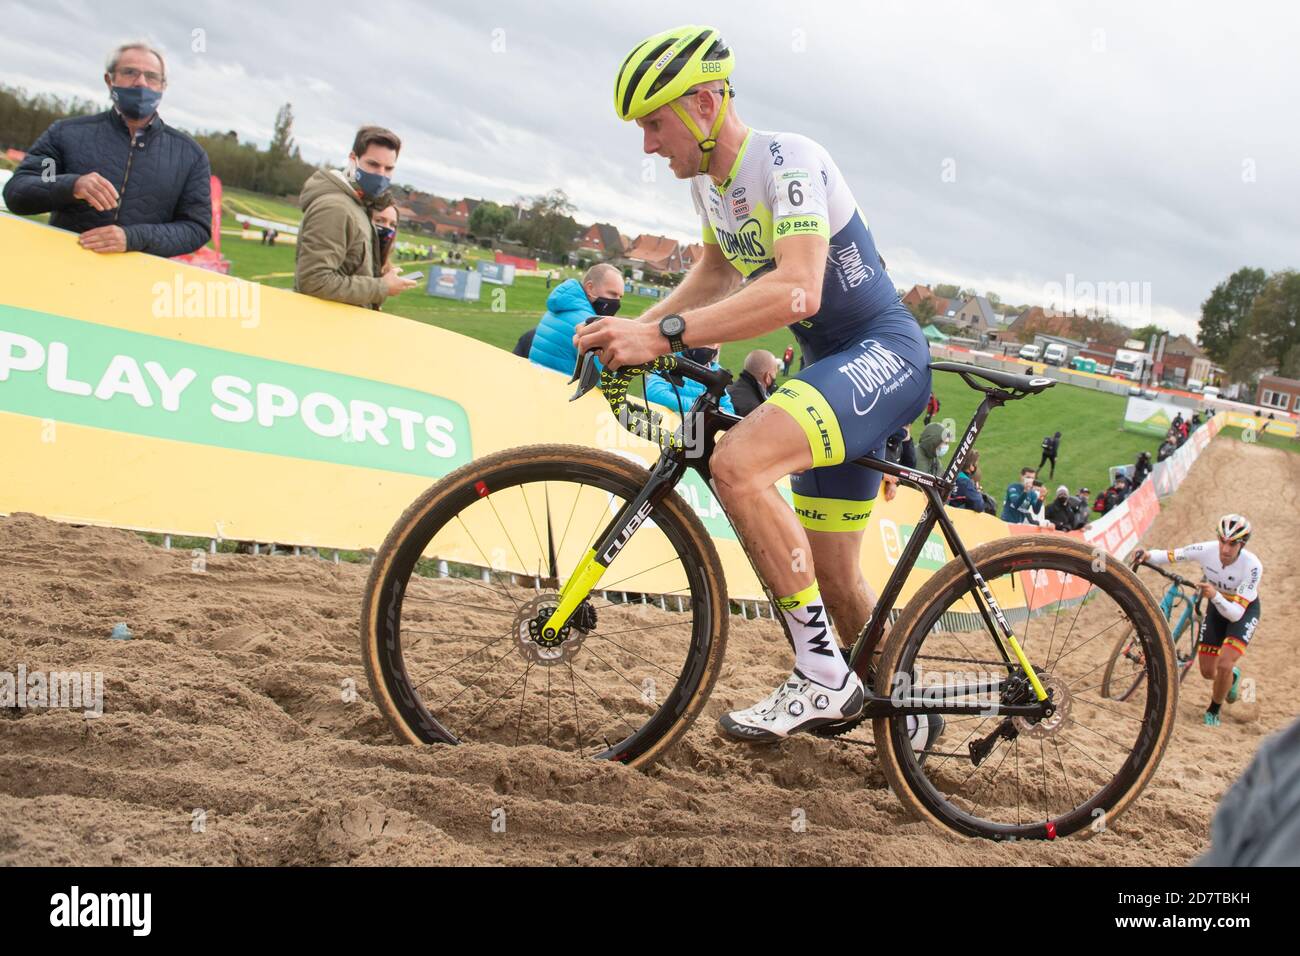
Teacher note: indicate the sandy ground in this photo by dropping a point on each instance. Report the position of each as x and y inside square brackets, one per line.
[228, 701]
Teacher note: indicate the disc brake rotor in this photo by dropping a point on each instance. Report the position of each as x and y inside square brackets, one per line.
[529, 631]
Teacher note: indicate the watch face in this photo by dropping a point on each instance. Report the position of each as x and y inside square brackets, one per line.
[672, 325]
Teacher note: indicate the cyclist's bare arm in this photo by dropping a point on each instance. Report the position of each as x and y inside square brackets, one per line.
[710, 279]
[789, 293]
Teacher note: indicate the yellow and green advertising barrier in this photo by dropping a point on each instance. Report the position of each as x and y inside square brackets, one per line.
[140, 393]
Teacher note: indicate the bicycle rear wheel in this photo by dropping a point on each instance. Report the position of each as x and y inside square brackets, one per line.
[450, 627]
[1016, 778]
[1126, 668]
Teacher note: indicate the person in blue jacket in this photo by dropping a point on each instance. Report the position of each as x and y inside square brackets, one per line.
[965, 492]
[123, 179]
[680, 398]
[570, 304]
[1021, 498]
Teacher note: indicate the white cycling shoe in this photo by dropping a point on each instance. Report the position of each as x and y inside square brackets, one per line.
[799, 704]
[924, 732]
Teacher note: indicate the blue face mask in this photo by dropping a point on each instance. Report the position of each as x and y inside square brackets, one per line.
[370, 184]
[136, 102]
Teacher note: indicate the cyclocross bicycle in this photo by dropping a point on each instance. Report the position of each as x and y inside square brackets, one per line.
[1126, 670]
[563, 596]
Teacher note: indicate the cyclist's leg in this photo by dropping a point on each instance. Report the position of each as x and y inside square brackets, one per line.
[1229, 654]
[1235, 641]
[748, 461]
[799, 427]
[833, 505]
[1211, 639]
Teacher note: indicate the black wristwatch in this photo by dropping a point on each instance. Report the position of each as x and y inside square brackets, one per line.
[672, 327]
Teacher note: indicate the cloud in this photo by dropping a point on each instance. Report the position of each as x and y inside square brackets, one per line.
[1148, 143]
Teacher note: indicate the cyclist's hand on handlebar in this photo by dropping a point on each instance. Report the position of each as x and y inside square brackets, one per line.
[1139, 557]
[1207, 590]
[620, 342]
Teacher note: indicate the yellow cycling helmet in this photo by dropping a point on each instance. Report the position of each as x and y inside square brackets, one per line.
[665, 67]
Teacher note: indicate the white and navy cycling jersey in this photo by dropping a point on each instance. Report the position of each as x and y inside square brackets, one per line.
[783, 184]
[1237, 584]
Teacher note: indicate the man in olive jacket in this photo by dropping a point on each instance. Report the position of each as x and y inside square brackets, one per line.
[337, 255]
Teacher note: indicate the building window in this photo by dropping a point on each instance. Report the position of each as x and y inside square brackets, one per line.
[1277, 399]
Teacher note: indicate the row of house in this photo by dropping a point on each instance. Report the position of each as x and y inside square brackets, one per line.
[1182, 359]
[449, 219]
[648, 252]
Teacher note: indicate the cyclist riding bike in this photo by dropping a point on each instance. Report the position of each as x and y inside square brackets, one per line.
[778, 218]
[1232, 576]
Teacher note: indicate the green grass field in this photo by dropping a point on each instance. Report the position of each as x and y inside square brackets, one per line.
[1090, 421]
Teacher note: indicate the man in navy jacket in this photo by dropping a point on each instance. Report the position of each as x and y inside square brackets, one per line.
[123, 179]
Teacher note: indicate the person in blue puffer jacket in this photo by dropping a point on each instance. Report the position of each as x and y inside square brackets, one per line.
[679, 399]
[570, 304]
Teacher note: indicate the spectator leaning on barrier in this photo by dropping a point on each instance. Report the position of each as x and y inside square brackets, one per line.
[570, 304]
[900, 449]
[1061, 512]
[1167, 447]
[1111, 498]
[337, 255]
[383, 214]
[1019, 499]
[122, 178]
[965, 490]
[1141, 468]
[755, 382]
[1081, 507]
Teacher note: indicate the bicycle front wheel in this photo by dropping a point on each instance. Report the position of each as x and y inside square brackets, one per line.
[451, 629]
[990, 775]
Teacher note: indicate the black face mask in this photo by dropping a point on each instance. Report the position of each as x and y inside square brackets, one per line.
[704, 356]
[606, 307]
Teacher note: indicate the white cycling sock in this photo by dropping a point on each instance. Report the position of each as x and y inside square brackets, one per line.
[816, 651]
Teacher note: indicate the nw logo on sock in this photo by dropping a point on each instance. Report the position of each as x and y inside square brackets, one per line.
[818, 642]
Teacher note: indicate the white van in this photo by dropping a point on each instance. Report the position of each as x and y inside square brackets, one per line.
[1056, 354]
[1210, 391]
[1030, 352]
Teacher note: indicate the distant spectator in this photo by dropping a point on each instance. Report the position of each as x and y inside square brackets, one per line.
[1081, 503]
[1062, 511]
[679, 398]
[335, 257]
[570, 304]
[1036, 515]
[932, 446]
[786, 359]
[1196, 420]
[1113, 496]
[1019, 500]
[965, 492]
[755, 382]
[77, 170]
[1051, 445]
[931, 408]
[1167, 447]
[900, 449]
[1141, 468]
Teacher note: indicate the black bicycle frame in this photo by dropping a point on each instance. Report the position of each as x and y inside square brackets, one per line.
[705, 420]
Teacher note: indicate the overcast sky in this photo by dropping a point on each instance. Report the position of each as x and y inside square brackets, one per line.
[1027, 148]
